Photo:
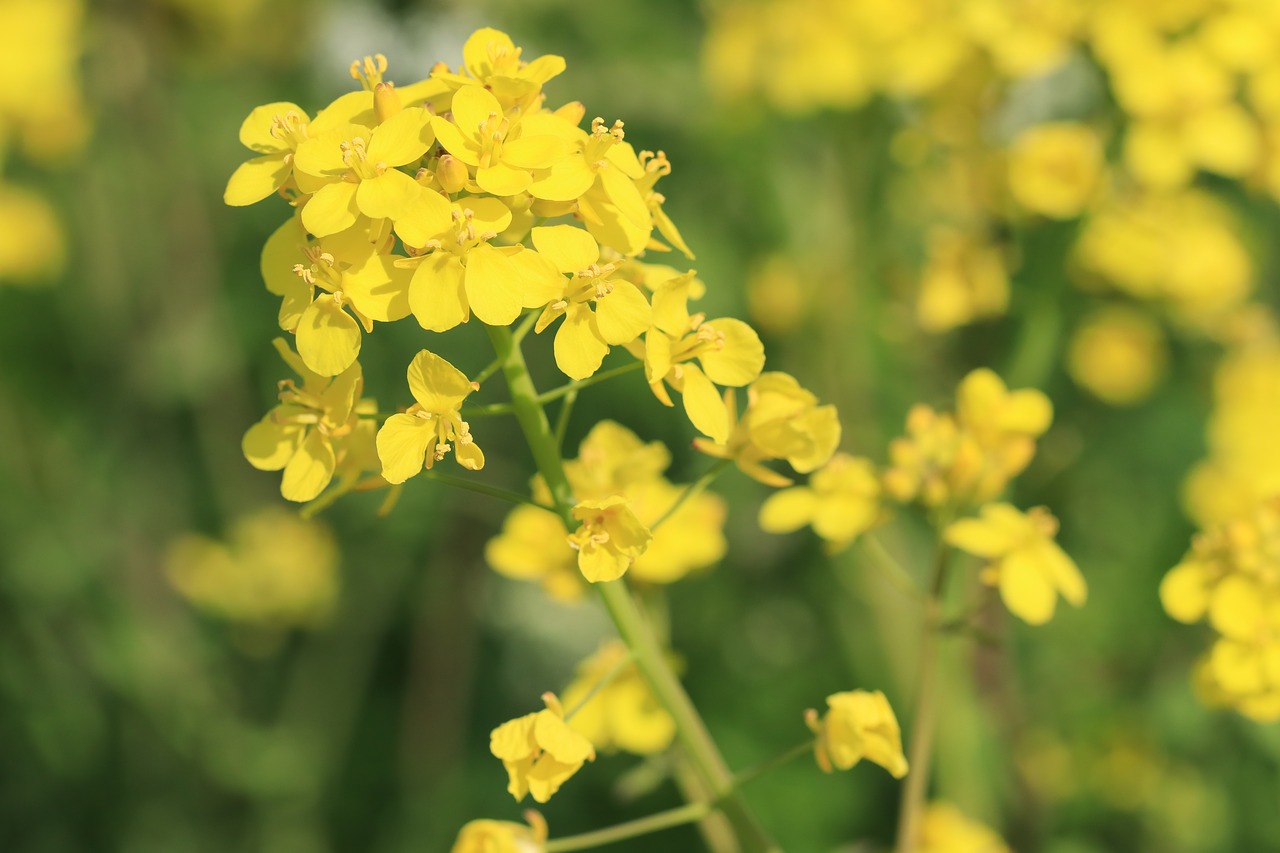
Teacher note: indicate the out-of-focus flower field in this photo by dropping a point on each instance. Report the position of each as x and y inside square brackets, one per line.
[1030, 572]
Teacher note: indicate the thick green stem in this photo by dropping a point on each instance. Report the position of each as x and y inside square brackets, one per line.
[649, 655]
[925, 719]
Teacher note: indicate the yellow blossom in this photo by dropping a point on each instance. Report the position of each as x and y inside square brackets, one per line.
[432, 426]
[1118, 355]
[531, 546]
[41, 104]
[841, 502]
[782, 420]
[540, 751]
[609, 539]
[32, 245]
[965, 278]
[858, 724]
[502, 836]
[312, 430]
[274, 570]
[728, 350]
[1029, 568]
[946, 829]
[623, 713]
[1055, 168]
[599, 310]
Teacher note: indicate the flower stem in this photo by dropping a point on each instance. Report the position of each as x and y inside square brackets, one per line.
[925, 719]
[632, 828]
[621, 664]
[483, 489]
[622, 608]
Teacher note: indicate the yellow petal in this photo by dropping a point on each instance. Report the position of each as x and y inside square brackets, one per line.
[502, 180]
[255, 179]
[1028, 412]
[332, 209]
[560, 741]
[579, 349]
[437, 294]
[540, 283]
[309, 470]
[1026, 589]
[255, 131]
[328, 337]
[703, 405]
[535, 152]
[788, 510]
[353, 108]
[436, 384]
[453, 141]
[599, 564]
[513, 740]
[282, 250]
[269, 445]
[1184, 593]
[493, 286]
[402, 139]
[570, 249]
[402, 446]
[379, 289]
[321, 156]
[623, 314]
[1063, 572]
[1237, 610]
[388, 195]
[480, 49]
[472, 106]
[427, 215]
[740, 360]
[566, 181]
[998, 532]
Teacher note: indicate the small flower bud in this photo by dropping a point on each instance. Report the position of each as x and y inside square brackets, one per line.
[451, 173]
[386, 102]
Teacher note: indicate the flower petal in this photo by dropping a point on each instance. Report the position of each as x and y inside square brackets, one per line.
[402, 446]
[332, 209]
[623, 314]
[570, 249]
[579, 350]
[309, 470]
[437, 295]
[403, 138]
[739, 361]
[269, 445]
[436, 384]
[255, 179]
[493, 286]
[703, 405]
[388, 195]
[328, 337]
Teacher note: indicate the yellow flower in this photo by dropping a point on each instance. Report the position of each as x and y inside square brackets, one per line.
[965, 279]
[1025, 563]
[41, 104]
[351, 276]
[781, 421]
[505, 150]
[274, 570]
[946, 829]
[621, 312]
[352, 170]
[540, 751]
[502, 836]
[1118, 355]
[491, 59]
[858, 724]
[421, 436]
[310, 432]
[462, 271]
[622, 714]
[728, 350]
[532, 547]
[841, 502]
[32, 245]
[609, 540]
[1055, 168]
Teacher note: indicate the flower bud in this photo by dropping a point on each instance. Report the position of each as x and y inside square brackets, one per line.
[386, 102]
[451, 174]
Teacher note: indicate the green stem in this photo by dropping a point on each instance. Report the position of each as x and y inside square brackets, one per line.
[632, 828]
[753, 773]
[602, 376]
[483, 489]
[562, 419]
[692, 490]
[621, 664]
[925, 719]
[635, 632]
[892, 570]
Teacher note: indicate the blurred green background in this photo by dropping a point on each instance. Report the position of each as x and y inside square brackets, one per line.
[131, 720]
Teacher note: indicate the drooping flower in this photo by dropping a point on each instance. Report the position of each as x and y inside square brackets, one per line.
[946, 829]
[1029, 568]
[310, 432]
[540, 751]
[609, 539]
[423, 435]
[858, 724]
[503, 836]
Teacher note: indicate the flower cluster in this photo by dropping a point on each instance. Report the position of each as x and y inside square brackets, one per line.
[1231, 576]
[42, 117]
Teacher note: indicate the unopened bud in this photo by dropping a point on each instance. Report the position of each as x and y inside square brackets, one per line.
[451, 173]
[386, 102]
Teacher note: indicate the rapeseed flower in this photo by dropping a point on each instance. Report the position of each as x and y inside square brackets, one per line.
[432, 426]
[540, 751]
[622, 713]
[841, 502]
[502, 836]
[609, 539]
[858, 724]
[1024, 562]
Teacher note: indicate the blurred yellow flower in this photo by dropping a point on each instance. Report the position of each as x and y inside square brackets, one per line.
[502, 836]
[274, 570]
[858, 724]
[540, 751]
[422, 436]
[965, 279]
[946, 829]
[1029, 568]
[41, 104]
[841, 502]
[1118, 355]
[1055, 168]
[623, 713]
[32, 245]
